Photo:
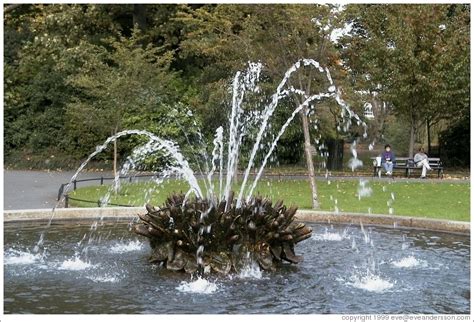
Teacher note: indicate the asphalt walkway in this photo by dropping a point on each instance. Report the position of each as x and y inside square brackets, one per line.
[36, 189]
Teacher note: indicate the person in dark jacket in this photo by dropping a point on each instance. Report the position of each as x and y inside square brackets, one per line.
[388, 160]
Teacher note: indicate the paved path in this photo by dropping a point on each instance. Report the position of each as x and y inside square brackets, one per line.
[39, 189]
[35, 189]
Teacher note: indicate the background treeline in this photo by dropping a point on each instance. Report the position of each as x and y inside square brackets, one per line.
[75, 74]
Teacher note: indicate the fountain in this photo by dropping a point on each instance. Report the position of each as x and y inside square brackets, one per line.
[256, 232]
[220, 249]
[250, 224]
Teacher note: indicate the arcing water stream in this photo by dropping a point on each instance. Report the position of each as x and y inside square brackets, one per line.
[240, 125]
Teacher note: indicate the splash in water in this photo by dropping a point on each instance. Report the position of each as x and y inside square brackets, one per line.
[331, 236]
[198, 286]
[124, 247]
[409, 262]
[75, 264]
[251, 271]
[370, 282]
[106, 278]
[18, 257]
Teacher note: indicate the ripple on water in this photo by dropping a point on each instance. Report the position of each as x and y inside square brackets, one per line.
[199, 286]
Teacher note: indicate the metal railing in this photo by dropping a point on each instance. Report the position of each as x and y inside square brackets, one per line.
[102, 179]
[67, 198]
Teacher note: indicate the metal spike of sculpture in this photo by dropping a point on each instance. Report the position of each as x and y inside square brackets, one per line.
[256, 231]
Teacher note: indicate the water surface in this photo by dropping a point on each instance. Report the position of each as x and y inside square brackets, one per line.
[347, 269]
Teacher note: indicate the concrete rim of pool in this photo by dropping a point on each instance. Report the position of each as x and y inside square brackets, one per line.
[458, 227]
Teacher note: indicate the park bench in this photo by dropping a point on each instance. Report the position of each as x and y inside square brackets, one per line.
[408, 165]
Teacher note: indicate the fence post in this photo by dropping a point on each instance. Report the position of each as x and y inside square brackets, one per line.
[130, 179]
[75, 184]
[60, 192]
[66, 201]
[102, 180]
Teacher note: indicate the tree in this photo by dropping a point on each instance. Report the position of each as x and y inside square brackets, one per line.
[36, 92]
[47, 47]
[126, 86]
[412, 55]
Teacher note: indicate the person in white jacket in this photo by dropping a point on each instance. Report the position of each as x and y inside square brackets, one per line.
[421, 160]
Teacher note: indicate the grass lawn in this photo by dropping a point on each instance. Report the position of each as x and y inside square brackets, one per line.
[442, 200]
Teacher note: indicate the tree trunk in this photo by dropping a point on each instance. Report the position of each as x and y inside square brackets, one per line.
[428, 136]
[115, 158]
[139, 17]
[411, 147]
[336, 154]
[309, 159]
[307, 143]
[115, 154]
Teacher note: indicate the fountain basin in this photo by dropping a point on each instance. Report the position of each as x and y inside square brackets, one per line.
[458, 227]
[347, 269]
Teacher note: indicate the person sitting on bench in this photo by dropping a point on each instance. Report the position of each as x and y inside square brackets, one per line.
[388, 159]
[421, 160]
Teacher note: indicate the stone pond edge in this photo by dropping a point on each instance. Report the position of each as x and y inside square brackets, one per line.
[459, 227]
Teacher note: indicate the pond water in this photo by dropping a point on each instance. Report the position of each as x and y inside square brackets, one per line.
[346, 269]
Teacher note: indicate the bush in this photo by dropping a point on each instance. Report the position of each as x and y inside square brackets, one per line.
[455, 144]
